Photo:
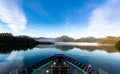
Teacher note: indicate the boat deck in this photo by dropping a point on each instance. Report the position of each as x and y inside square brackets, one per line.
[58, 64]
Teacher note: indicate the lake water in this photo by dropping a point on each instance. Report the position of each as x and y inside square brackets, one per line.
[104, 58]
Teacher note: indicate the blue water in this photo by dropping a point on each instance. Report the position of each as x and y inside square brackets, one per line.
[99, 59]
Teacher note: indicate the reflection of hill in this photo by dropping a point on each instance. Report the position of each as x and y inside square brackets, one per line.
[64, 48]
[109, 48]
[89, 48]
[9, 48]
[92, 48]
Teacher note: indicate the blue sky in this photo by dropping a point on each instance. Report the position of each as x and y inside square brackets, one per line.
[53, 18]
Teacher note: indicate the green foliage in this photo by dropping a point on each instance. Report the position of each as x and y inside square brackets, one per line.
[65, 39]
[5, 35]
[8, 43]
[9, 39]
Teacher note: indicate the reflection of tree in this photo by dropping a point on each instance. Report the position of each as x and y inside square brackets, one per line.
[64, 48]
[7, 49]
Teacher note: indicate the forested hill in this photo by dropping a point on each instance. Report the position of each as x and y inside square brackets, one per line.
[9, 39]
[88, 39]
[109, 40]
[83, 39]
[65, 39]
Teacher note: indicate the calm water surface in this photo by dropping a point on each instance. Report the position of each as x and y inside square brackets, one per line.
[105, 58]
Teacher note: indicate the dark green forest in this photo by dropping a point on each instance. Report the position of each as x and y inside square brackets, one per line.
[9, 39]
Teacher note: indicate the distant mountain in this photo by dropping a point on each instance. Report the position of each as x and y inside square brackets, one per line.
[65, 39]
[58, 39]
[88, 39]
[44, 39]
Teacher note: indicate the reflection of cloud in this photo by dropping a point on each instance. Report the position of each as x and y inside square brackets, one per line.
[105, 19]
[12, 15]
[13, 62]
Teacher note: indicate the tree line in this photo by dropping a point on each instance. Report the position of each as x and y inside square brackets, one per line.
[9, 39]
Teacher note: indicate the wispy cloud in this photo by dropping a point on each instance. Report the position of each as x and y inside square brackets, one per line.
[105, 19]
[12, 15]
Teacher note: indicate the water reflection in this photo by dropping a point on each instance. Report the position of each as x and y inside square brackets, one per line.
[6, 49]
[12, 62]
[105, 48]
[88, 48]
[11, 59]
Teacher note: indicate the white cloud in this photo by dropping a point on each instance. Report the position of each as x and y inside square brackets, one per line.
[105, 19]
[12, 15]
